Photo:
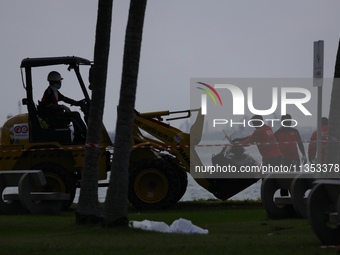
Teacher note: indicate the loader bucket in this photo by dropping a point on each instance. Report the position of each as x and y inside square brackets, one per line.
[226, 188]
[196, 129]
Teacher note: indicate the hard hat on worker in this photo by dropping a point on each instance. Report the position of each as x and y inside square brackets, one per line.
[54, 76]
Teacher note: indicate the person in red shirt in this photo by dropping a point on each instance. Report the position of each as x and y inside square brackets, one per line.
[267, 146]
[288, 137]
[312, 144]
[50, 101]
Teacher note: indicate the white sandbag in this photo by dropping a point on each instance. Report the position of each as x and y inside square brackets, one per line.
[150, 225]
[180, 226]
[183, 226]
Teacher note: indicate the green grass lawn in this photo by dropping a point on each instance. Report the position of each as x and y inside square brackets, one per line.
[234, 228]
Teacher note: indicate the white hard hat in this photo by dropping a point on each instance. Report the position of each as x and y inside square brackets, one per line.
[54, 76]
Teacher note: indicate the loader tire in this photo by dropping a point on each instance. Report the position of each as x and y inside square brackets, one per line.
[319, 207]
[153, 184]
[182, 175]
[58, 179]
[183, 180]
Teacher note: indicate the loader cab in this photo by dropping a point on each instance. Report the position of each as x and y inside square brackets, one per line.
[41, 127]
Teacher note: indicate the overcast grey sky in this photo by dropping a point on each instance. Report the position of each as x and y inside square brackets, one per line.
[182, 39]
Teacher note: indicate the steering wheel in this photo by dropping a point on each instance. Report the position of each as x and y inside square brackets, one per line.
[83, 104]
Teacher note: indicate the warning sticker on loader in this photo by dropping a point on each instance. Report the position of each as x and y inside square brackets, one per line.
[21, 131]
[178, 138]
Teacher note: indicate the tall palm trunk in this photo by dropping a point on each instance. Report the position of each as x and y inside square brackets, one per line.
[333, 148]
[115, 209]
[88, 209]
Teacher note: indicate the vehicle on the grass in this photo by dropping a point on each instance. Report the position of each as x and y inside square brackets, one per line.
[158, 166]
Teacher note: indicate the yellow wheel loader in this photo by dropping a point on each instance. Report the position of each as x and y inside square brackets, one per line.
[158, 166]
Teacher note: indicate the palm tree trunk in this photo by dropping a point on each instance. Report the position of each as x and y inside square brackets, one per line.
[115, 209]
[333, 148]
[88, 209]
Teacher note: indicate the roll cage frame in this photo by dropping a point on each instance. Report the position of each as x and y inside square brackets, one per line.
[27, 64]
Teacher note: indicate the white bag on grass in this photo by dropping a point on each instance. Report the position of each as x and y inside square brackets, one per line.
[183, 226]
[180, 226]
[150, 225]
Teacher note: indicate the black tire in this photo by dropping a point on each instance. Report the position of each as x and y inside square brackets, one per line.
[268, 188]
[299, 187]
[182, 175]
[183, 181]
[58, 179]
[319, 206]
[153, 184]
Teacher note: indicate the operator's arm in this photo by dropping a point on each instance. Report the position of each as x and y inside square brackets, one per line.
[68, 100]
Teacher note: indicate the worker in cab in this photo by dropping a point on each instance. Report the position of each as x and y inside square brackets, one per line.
[50, 101]
[266, 142]
[289, 140]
